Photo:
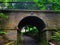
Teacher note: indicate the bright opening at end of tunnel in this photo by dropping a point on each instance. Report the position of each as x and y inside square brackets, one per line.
[28, 29]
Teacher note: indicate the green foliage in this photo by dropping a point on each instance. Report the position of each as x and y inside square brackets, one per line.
[2, 33]
[16, 0]
[41, 4]
[48, 4]
[3, 19]
[3, 16]
[56, 36]
[30, 29]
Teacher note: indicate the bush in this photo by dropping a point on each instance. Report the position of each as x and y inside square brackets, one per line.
[3, 16]
[56, 36]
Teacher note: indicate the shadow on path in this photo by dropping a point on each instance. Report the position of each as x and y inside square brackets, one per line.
[28, 41]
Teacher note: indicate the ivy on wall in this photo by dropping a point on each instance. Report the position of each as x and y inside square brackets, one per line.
[3, 19]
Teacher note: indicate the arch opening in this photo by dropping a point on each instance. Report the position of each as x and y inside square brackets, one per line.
[33, 21]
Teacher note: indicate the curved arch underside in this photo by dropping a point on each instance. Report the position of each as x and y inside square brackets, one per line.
[33, 21]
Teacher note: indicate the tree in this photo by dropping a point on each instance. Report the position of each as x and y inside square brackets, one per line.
[41, 4]
[48, 4]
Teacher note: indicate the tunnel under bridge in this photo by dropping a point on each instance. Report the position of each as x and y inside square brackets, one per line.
[31, 21]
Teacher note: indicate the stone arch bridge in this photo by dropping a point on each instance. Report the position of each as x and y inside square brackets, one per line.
[48, 19]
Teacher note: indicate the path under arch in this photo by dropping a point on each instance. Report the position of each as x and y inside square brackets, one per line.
[28, 41]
